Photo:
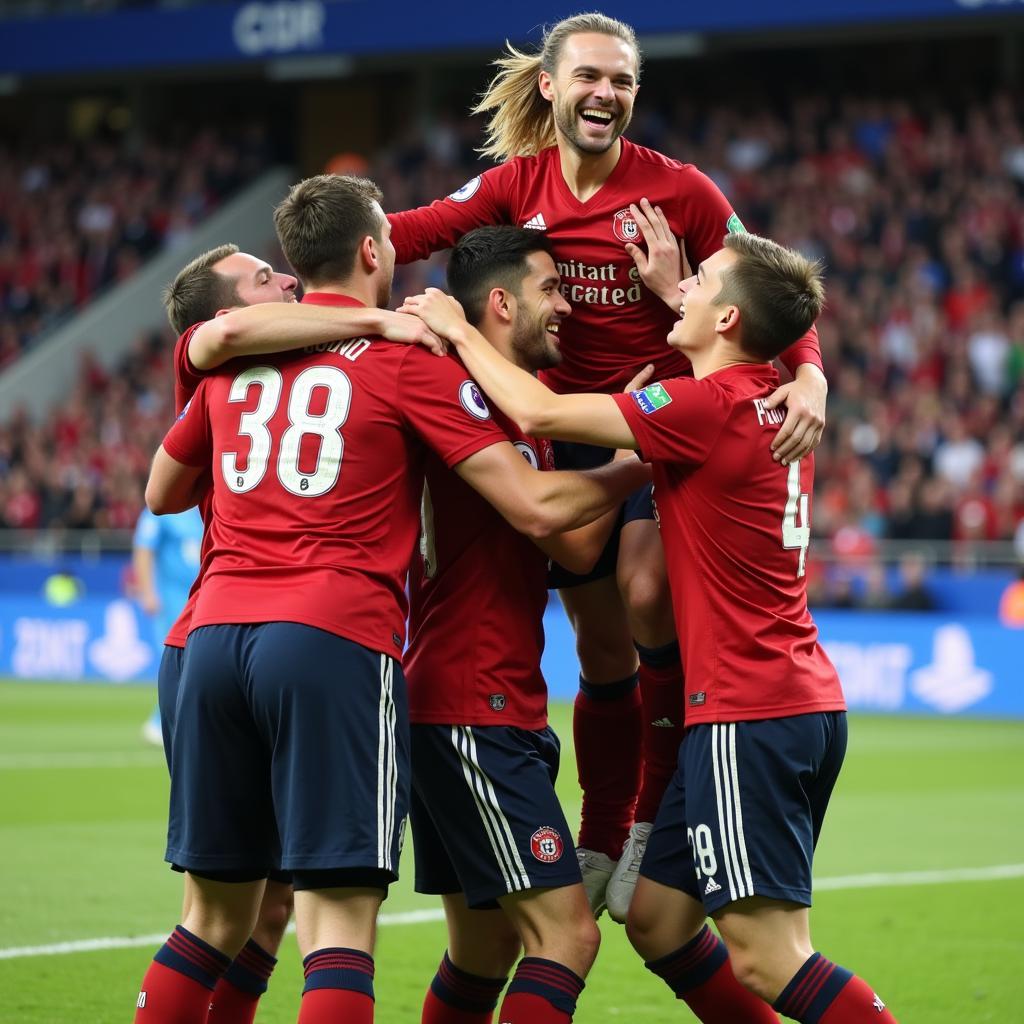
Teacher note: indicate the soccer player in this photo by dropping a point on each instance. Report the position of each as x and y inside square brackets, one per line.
[225, 304]
[165, 559]
[489, 833]
[290, 746]
[556, 119]
[766, 724]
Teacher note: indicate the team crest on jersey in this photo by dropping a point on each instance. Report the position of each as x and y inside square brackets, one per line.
[467, 191]
[546, 845]
[527, 453]
[625, 227]
[497, 701]
[651, 398]
[472, 401]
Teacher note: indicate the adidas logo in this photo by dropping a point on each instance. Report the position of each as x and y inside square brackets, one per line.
[536, 222]
[664, 723]
[878, 1004]
[711, 887]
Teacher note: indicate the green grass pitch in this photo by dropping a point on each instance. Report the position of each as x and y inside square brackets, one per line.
[82, 804]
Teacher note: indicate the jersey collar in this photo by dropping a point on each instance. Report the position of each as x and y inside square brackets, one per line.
[330, 299]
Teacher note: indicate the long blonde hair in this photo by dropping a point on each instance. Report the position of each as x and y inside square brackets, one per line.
[521, 121]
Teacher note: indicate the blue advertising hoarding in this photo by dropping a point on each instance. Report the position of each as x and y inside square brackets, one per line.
[896, 662]
[919, 663]
[239, 32]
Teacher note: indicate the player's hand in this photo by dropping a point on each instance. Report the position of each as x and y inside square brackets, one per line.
[411, 330]
[805, 417]
[640, 379]
[661, 267]
[440, 312]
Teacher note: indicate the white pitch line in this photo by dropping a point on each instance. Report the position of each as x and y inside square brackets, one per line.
[158, 939]
[941, 877]
[870, 881]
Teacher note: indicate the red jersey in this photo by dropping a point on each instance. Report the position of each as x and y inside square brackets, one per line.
[477, 596]
[617, 325]
[317, 475]
[186, 379]
[736, 527]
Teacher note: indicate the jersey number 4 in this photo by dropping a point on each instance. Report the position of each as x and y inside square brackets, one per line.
[797, 504]
[326, 425]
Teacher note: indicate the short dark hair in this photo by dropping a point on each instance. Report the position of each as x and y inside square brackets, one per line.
[199, 291]
[779, 293]
[322, 222]
[491, 257]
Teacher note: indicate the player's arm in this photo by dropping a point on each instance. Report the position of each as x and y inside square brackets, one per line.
[172, 485]
[417, 233]
[179, 475]
[540, 504]
[578, 550]
[284, 326]
[536, 409]
[143, 565]
[805, 398]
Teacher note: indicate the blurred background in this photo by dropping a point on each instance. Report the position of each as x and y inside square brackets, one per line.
[884, 136]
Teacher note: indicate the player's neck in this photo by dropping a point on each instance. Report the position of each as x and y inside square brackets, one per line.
[585, 173]
[718, 357]
[363, 290]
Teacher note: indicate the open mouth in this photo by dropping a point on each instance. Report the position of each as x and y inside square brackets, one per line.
[552, 328]
[597, 117]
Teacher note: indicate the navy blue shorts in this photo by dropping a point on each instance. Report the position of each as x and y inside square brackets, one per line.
[167, 679]
[742, 814]
[485, 818]
[639, 505]
[167, 683]
[290, 748]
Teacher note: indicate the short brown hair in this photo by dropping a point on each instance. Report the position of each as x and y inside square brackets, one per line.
[779, 293]
[322, 222]
[199, 291]
[491, 257]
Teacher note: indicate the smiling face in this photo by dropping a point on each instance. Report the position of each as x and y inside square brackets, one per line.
[255, 280]
[540, 308]
[701, 320]
[592, 91]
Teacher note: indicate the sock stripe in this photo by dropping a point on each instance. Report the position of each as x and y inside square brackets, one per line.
[464, 991]
[547, 972]
[256, 959]
[198, 952]
[338, 958]
[811, 985]
[337, 967]
[693, 953]
[691, 965]
[456, 977]
[188, 955]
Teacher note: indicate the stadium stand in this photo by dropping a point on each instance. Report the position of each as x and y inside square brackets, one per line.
[916, 210]
[76, 218]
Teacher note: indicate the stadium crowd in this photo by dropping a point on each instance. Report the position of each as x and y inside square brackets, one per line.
[918, 214]
[76, 218]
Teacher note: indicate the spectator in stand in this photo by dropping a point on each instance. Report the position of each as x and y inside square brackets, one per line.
[914, 595]
[916, 207]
